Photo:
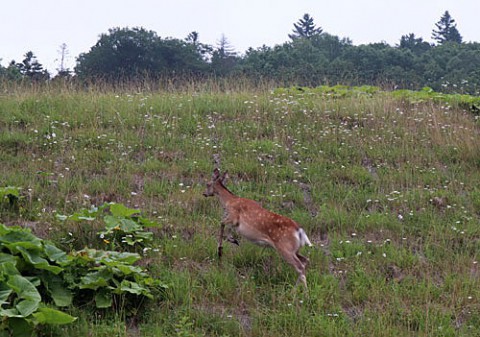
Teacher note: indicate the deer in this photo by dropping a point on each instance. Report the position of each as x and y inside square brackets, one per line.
[259, 225]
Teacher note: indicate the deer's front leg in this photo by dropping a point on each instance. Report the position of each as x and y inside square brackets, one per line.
[220, 240]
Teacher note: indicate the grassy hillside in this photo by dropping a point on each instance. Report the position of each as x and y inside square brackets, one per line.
[387, 188]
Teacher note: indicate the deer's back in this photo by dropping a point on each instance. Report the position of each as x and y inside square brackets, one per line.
[259, 224]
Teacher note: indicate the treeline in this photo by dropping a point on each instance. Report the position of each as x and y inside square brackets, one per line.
[311, 57]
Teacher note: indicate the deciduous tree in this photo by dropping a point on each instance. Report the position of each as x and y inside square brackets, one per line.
[129, 53]
[204, 50]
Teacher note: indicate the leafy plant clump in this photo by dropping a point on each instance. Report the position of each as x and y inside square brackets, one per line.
[123, 227]
[467, 102]
[9, 197]
[337, 91]
[31, 282]
[38, 280]
[109, 274]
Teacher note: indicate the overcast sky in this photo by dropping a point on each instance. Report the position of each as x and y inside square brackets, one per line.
[43, 25]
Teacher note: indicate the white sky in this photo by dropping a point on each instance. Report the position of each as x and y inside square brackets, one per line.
[43, 25]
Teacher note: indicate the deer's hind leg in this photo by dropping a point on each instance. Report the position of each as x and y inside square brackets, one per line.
[296, 262]
[303, 259]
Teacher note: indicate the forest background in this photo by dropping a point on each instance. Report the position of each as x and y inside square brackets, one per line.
[310, 57]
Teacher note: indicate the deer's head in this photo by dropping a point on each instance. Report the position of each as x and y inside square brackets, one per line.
[218, 180]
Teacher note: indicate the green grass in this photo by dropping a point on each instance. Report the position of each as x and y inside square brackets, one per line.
[387, 189]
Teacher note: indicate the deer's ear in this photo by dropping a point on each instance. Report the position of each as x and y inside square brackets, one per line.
[216, 174]
[224, 177]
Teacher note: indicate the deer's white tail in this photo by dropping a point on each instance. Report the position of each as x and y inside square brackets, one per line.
[303, 238]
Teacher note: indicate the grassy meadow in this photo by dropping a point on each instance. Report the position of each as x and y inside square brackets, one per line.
[387, 188]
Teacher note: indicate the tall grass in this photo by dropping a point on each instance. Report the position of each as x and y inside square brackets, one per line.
[387, 190]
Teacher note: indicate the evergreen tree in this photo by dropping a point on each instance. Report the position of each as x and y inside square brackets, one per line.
[62, 70]
[203, 49]
[305, 28]
[416, 45]
[224, 58]
[446, 30]
[225, 49]
[31, 68]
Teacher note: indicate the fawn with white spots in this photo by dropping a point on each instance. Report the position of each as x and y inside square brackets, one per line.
[259, 225]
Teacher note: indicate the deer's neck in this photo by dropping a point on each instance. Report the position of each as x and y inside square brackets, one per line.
[224, 195]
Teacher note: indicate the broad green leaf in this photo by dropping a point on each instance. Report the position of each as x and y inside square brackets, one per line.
[27, 307]
[15, 247]
[82, 256]
[120, 210]
[62, 296]
[4, 229]
[9, 268]
[148, 223]
[17, 234]
[137, 237]
[37, 261]
[96, 280]
[35, 280]
[129, 226]
[82, 217]
[147, 236]
[150, 282]
[134, 288]
[4, 294]
[127, 270]
[130, 240]
[26, 291]
[4, 258]
[123, 257]
[52, 316]
[113, 223]
[11, 312]
[103, 256]
[85, 214]
[144, 235]
[20, 327]
[20, 237]
[10, 190]
[56, 254]
[103, 298]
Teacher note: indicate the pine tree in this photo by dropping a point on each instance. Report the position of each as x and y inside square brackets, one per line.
[31, 68]
[62, 70]
[224, 58]
[446, 30]
[305, 28]
[224, 48]
[416, 45]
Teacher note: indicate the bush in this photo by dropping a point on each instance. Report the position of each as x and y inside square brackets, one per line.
[38, 280]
